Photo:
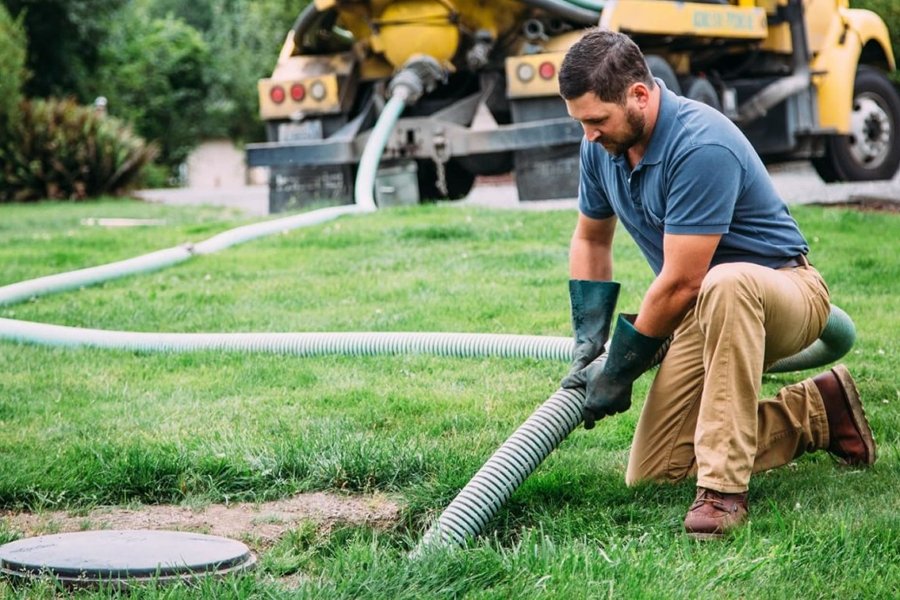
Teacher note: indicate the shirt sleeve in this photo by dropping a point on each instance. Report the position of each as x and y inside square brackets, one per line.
[592, 199]
[704, 186]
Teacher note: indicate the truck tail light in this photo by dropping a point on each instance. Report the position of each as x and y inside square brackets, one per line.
[317, 90]
[277, 94]
[547, 70]
[298, 92]
[525, 72]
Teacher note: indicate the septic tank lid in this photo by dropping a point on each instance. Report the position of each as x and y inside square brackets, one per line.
[91, 557]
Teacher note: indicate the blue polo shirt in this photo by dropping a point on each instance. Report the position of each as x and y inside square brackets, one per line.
[699, 175]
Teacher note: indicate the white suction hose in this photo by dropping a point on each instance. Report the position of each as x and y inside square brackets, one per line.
[461, 345]
[33, 288]
[51, 284]
[364, 189]
[518, 457]
[239, 235]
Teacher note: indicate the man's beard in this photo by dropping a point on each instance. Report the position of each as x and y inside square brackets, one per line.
[636, 125]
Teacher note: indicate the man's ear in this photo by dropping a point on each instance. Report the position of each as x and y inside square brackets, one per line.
[640, 92]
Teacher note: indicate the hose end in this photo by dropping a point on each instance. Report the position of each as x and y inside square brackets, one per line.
[419, 75]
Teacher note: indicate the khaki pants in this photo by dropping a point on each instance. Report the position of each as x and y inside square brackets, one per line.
[703, 414]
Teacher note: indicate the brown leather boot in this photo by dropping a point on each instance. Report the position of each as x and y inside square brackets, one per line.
[850, 438]
[713, 514]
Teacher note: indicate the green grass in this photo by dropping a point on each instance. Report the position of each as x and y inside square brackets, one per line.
[82, 428]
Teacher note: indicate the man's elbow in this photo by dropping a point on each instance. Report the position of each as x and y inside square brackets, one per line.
[685, 290]
[690, 292]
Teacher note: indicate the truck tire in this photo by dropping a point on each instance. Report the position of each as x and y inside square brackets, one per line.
[872, 149]
[701, 90]
[660, 68]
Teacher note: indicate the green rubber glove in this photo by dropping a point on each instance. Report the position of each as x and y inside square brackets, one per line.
[607, 385]
[593, 304]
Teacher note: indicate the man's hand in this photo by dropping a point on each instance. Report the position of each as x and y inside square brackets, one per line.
[608, 383]
[604, 396]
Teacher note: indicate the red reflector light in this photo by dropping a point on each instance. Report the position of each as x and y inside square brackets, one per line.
[277, 94]
[547, 70]
[298, 92]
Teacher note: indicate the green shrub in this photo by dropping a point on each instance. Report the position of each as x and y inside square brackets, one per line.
[63, 41]
[889, 11]
[12, 64]
[152, 73]
[58, 149]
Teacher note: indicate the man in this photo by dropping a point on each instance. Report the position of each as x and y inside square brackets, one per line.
[734, 291]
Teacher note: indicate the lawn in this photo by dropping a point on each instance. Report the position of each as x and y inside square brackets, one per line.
[85, 428]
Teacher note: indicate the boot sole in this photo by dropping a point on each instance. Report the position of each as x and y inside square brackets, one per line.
[706, 537]
[857, 412]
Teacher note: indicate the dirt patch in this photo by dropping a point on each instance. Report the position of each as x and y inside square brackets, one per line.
[867, 204]
[260, 524]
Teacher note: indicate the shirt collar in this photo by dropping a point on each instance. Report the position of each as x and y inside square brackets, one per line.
[664, 122]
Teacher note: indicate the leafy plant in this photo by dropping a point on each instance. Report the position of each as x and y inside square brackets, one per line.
[58, 149]
[181, 72]
[889, 11]
[243, 39]
[12, 64]
[64, 37]
[153, 77]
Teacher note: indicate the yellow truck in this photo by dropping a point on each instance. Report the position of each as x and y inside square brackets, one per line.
[804, 79]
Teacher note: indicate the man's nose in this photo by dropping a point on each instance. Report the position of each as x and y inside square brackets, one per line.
[591, 133]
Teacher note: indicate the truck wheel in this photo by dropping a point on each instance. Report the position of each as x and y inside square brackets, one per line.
[459, 181]
[660, 68]
[701, 90]
[872, 149]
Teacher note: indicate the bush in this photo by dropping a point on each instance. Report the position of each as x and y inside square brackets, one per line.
[186, 71]
[889, 11]
[61, 150]
[153, 76]
[243, 38]
[63, 40]
[243, 49]
[12, 64]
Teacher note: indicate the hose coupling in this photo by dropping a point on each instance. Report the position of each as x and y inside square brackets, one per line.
[419, 75]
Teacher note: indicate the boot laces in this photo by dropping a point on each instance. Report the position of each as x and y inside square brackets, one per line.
[712, 498]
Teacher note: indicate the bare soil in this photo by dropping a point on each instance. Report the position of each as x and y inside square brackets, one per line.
[258, 524]
[868, 204]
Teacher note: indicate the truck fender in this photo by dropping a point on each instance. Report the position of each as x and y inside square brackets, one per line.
[834, 68]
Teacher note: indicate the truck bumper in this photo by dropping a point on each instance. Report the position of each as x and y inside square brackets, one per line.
[419, 138]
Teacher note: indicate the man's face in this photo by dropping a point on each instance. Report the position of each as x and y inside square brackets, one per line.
[615, 127]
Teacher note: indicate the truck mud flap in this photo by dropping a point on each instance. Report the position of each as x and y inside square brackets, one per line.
[295, 188]
[547, 173]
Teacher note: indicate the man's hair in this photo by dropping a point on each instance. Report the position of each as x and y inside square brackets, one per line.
[604, 62]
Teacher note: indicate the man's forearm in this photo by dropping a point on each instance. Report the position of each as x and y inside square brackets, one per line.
[675, 289]
[664, 306]
[590, 261]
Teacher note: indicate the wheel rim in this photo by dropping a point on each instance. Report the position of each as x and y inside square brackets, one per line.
[871, 131]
